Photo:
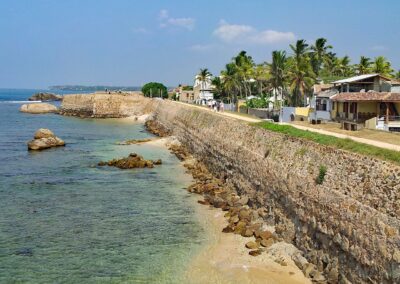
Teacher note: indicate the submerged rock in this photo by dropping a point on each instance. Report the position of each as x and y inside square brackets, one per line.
[38, 108]
[44, 139]
[132, 161]
[45, 97]
[24, 252]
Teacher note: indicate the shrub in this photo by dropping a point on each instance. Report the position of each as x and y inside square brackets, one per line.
[321, 175]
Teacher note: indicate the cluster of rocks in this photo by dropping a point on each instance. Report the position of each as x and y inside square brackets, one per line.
[154, 128]
[45, 97]
[135, 141]
[44, 139]
[242, 219]
[38, 108]
[132, 161]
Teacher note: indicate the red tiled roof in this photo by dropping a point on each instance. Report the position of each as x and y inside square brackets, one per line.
[367, 97]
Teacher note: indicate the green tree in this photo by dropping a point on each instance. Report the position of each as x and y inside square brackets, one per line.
[319, 52]
[204, 77]
[230, 82]
[301, 75]
[364, 66]
[382, 66]
[155, 89]
[278, 72]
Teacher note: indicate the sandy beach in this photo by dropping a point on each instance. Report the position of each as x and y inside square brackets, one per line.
[225, 259]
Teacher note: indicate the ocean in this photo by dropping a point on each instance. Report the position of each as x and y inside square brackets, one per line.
[65, 220]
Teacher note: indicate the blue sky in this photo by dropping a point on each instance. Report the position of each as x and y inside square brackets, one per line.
[131, 42]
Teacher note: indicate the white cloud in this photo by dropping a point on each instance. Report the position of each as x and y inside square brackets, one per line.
[245, 33]
[141, 31]
[379, 48]
[204, 47]
[167, 21]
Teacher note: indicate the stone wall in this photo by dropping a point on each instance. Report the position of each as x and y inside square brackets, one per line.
[103, 105]
[347, 226]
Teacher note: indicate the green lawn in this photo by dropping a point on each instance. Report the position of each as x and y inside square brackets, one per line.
[340, 143]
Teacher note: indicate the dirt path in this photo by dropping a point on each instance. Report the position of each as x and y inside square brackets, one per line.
[344, 136]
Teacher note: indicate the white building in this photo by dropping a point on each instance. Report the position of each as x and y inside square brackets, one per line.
[203, 90]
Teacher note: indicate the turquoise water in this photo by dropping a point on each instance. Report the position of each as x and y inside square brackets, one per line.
[64, 220]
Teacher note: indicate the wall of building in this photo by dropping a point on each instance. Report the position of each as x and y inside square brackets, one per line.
[367, 107]
[349, 224]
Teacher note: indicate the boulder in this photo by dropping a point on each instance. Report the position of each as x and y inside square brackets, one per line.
[44, 139]
[132, 161]
[45, 97]
[38, 108]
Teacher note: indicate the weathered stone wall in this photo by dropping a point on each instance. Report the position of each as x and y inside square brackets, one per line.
[347, 226]
[103, 105]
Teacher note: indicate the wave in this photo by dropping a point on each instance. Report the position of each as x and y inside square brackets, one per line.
[19, 102]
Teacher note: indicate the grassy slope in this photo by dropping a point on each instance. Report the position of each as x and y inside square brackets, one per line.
[340, 143]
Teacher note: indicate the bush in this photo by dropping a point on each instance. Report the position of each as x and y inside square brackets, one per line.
[321, 176]
[154, 89]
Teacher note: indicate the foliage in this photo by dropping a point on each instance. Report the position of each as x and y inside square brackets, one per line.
[187, 88]
[154, 89]
[260, 102]
[290, 75]
[321, 175]
[340, 143]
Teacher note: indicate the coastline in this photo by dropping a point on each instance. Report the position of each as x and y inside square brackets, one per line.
[223, 258]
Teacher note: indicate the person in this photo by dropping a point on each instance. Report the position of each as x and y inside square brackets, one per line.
[218, 105]
[221, 106]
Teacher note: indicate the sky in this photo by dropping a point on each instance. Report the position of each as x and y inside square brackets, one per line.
[132, 42]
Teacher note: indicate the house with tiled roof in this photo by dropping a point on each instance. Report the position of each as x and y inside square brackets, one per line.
[370, 100]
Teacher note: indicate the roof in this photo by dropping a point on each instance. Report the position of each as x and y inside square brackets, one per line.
[358, 78]
[327, 93]
[367, 97]
[321, 87]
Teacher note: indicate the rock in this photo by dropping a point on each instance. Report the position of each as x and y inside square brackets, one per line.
[24, 252]
[333, 275]
[244, 200]
[45, 97]
[265, 235]
[247, 233]
[267, 243]
[44, 139]
[43, 133]
[252, 245]
[38, 108]
[157, 162]
[132, 161]
[255, 252]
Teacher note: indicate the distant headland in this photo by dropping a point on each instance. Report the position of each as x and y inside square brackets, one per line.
[92, 88]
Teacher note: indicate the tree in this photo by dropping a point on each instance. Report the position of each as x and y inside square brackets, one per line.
[382, 66]
[397, 75]
[155, 89]
[301, 75]
[364, 67]
[244, 71]
[278, 72]
[204, 77]
[319, 52]
[230, 82]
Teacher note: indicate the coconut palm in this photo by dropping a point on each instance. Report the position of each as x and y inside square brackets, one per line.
[204, 77]
[278, 72]
[364, 67]
[230, 82]
[301, 75]
[319, 52]
[382, 66]
[245, 71]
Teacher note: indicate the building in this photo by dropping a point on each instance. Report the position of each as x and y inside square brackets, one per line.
[321, 104]
[203, 90]
[184, 94]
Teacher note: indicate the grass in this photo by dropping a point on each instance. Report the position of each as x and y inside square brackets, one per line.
[340, 143]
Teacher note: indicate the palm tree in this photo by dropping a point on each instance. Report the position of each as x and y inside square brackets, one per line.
[278, 72]
[261, 75]
[319, 52]
[230, 82]
[364, 67]
[218, 86]
[301, 75]
[343, 67]
[204, 77]
[382, 66]
[244, 64]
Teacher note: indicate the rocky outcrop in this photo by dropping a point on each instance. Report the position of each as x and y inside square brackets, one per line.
[104, 105]
[45, 97]
[38, 108]
[347, 227]
[132, 161]
[44, 139]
